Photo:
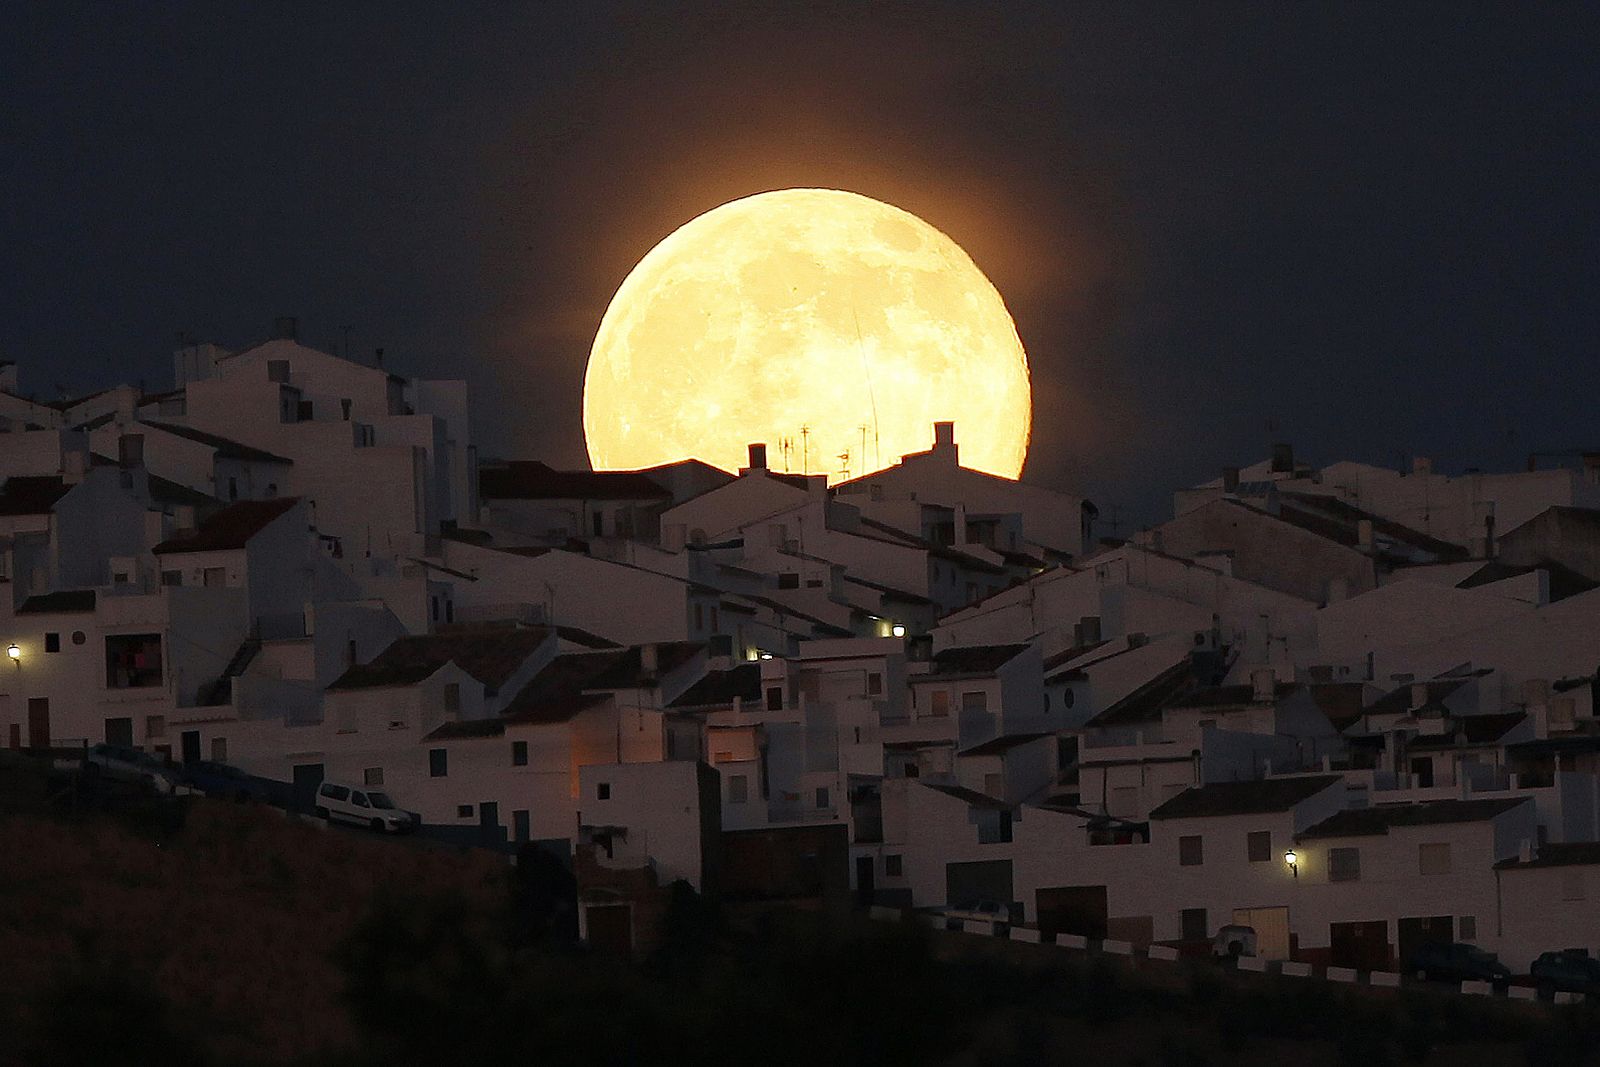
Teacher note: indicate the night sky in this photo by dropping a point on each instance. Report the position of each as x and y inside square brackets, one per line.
[1367, 231]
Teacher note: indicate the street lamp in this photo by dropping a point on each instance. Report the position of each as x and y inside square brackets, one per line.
[15, 653]
[1289, 858]
[898, 630]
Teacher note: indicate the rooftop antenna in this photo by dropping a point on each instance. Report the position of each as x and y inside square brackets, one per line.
[805, 449]
[786, 446]
[844, 470]
[872, 395]
[864, 445]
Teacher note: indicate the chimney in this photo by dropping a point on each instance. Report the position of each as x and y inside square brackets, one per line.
[1419, 694]
[1230, 479]
[648, 663]
[1283, 458]
[73, 467]
[944, 441]
[1089, 626]
[1421, 465]
[130, 450]
[1263, 685]
[286, 328]
[758, 457]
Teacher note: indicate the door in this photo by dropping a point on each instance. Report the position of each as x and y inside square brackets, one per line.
[1364, 946]
[1072, 909]
[1416, 932]
[489, 822]
[119, 731]
[966, 883]
[1272, 930]
[521, 826]
[191, 746]
[610, 928]
[39, 722]
[865, 879]
[1422, 772]
[307, 776]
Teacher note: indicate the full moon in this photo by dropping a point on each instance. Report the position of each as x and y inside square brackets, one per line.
[832, 327]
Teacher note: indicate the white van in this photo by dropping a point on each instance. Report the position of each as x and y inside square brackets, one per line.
[364, 807]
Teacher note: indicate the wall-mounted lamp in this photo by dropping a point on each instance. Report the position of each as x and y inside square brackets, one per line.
[898, 630]
[1290, 859]
[766, 655]
[16, 655]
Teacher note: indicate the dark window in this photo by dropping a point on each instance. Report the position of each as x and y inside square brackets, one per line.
[52, 642]
[822, 796]
[602, 791]
[598, 521]
[519, 753]
[449, 611]
[335, 792]
[1067, 698]
[464, 811]
[874, 684]
[789, 580]
[303, 411]
[912, 770]
[1190, 851]
[1193, 923]
[1344, 864]
[372, 776]
[775, 698]
[1259, 846]
[233, 489]
[171, 577]
[119, 732]
[521, 826]
[433, 608]
[78, 637]
[1467, 927]
[452, 697]
[133, 661]
[892, 866]
[438, 762]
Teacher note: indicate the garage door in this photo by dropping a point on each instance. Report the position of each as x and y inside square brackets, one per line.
[977, 880]
[1272, 930]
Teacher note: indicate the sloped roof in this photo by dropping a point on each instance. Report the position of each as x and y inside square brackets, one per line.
[1340, 702]
[1564, 581]
[1258, 797]
[1398, 700]
[969, 796]
[225, 447]
[231, 528]
[532, 480]
[489, 654]
[1338, 521]
[999, 746]
[567, 683]
[1378, 819]
[1144, 704]
[1471, 730]
[1218, 696]
[722, 687]
[27, 494]
[65, 602]
[467, 728]
[976, 659]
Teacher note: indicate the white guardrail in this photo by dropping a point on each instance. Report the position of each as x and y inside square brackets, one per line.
[1168, 954]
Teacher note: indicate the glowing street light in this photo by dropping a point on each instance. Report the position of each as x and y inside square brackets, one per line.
[14, 652]
[1289, 858]
[898, 630]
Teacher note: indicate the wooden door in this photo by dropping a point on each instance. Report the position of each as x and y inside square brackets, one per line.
[39, 722]
[1272, 930]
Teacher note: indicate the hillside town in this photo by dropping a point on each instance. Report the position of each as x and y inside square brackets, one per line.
[1349, 708]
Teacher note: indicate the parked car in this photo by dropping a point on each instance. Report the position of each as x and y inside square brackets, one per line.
[130, 765]
[1568, 970]
[1233, 941]
[988, 911]
[365, 807]
[1452, 961]
[223, 780]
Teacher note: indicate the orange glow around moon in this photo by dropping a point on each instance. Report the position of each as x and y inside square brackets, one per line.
[835, 328]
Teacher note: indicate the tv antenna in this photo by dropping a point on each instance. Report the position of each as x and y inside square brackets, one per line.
[866, 371]
[805, 449]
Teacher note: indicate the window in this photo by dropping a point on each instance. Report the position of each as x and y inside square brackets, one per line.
[738, 789]
[1572, 885]
[1467, 927]
[452, 697]
[219, 749]
[1192, 924]
[1067, 699]
[822, 796]
[79, 637]
[359, 799]
[119, 731]
[335, 792]
[233, 489]
[775, 698]
[912, 770]
[350, 653]
[119, 578]
[433, 608]
[1191, 851]
[699, 617]
[874, 684]
[602, 791]
[463, 811]
[52, 642]
[372, 776]
[214, 577]
[1433, 859]
[449, 611]
[789, 580]
[938, 703]
[171, 577]
[438, 762]
[155, 727]
[974, 702]
[519, 753]
[1258, 844]
[133, 661]
[597, 523]
[893, 866]
[1344, 864]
